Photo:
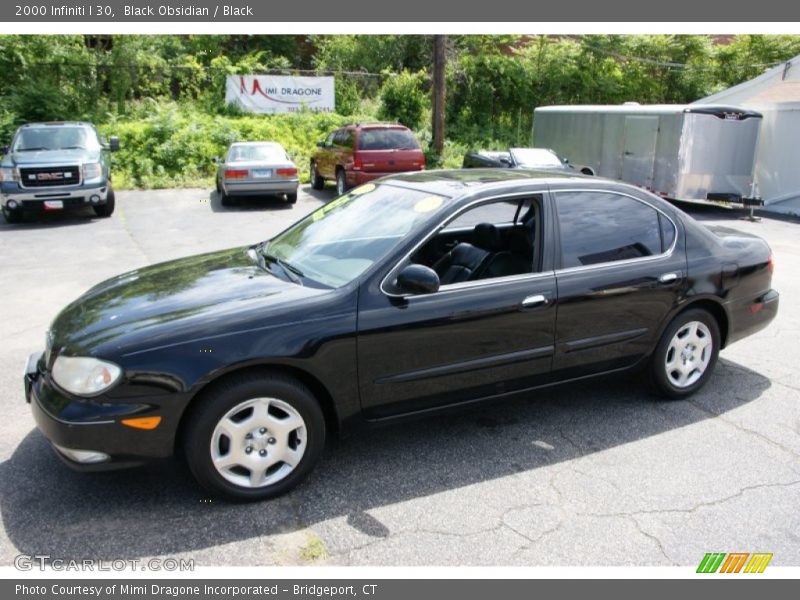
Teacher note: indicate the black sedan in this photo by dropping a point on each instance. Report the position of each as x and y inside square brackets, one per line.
[410, 295]
[517, 158]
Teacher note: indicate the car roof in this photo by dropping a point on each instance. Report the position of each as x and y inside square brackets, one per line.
[57, 124]
[270, 143]
[376, 126]
[458, 182]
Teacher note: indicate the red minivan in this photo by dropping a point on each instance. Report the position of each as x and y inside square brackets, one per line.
[362, 152]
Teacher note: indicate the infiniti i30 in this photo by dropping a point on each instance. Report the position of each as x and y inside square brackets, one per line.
[407, 296]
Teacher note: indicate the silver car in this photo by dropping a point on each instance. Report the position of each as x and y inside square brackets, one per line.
[256, 169]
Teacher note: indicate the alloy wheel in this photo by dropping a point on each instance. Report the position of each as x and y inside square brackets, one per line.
[258, 442]
[689, 354]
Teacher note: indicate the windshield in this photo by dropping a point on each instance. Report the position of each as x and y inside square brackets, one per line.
[339, 241]
[387, 139]
[535, 157]
[265, 152]
[55, 138]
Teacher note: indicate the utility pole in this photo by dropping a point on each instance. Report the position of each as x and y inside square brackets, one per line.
[439, 47]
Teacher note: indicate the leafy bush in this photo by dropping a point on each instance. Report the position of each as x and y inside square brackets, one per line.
[174, 145]
[403, 99]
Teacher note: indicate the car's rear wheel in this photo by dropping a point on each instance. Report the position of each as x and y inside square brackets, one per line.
[317, 181]
[341, 182]
[225, 199]
[107, 209]
[291, 198]
[12, 216]
[686, 354]
[255, 436]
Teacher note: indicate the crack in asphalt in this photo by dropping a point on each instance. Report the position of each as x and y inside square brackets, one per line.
[696, 507]
[742, 428]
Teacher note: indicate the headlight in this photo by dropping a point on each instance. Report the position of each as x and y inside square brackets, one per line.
[84, 376]
[9, 174]
[92, 170]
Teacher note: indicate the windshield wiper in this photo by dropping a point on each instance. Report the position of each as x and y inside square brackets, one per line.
[32, 149]
[74, 148]
[292, 272]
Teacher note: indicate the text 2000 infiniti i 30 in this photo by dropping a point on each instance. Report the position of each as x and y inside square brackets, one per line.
[409, 295]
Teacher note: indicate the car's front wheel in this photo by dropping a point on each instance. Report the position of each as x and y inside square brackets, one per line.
[686, 354]
[254, 436]
[12, 216]
[317, 181]
[107, 209]
[341, 182]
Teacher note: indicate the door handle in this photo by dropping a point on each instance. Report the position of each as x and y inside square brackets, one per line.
[532, 301]
[668, 278]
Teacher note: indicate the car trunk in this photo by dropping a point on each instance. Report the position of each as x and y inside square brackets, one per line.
[257, 171]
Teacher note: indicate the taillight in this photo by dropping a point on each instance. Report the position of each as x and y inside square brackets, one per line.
[771, 263]
[235, 173]
[287, 172]
[358, 164]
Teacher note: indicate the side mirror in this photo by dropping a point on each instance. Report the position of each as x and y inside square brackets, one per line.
[418, 279]
[215, 160]
[565, 160]
[113, 143]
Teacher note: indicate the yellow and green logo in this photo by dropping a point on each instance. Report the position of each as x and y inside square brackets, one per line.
[735, 562]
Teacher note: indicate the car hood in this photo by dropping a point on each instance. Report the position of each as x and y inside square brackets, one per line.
[172, 302]
[54, 157]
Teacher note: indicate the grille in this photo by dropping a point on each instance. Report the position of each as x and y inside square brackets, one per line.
[49, 176]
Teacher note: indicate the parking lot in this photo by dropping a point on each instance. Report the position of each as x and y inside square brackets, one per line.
[599, 473]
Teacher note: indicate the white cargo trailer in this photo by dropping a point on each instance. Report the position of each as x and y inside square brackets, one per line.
[696, 153]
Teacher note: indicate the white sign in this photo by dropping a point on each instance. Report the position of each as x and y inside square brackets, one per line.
[280, 94]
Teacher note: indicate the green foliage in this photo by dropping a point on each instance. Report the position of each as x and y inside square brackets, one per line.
[403, 99]
[163, 94]
[174, 145]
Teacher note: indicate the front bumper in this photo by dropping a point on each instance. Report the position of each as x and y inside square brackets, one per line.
[92, 425]
[34, 200]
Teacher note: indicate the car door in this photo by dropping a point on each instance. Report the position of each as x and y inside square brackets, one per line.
[325, 164]
[622, 270]
[469, 340]
[342, 149]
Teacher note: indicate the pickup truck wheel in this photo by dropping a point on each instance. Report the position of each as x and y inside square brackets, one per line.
[254, 436]
[341, 182]
[12, 216]
[107, 209]
[686, 354]
[317, 182]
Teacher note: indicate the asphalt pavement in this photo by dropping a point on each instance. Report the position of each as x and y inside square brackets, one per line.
[599, 473]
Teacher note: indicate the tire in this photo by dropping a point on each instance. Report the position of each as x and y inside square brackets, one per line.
[686, 354]
[291, 198]
[107, 209]
[317, 181]
[12, 216]
[225, 199]
[268, 398]
[218, 186]
[341, 182]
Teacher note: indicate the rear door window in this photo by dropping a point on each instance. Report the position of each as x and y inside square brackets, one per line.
[603, 227]
[387, 139]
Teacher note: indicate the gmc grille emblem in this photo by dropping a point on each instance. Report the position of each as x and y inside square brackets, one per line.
[50, 176]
